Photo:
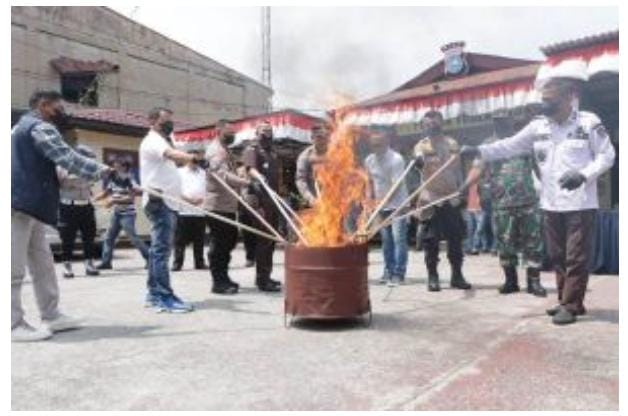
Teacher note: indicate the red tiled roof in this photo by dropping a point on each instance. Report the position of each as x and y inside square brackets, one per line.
[65, 65]
[119, 117]
[582, 42]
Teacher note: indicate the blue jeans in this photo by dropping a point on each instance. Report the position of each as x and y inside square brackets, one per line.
[163, 222]
[126, 222]
[395, 247]
[476, 231]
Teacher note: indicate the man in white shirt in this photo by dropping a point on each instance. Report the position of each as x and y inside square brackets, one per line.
[158, 171]
[572, 149]
[190, 222]
[385, 167]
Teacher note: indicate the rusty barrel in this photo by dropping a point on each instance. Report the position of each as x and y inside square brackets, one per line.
[326, 282]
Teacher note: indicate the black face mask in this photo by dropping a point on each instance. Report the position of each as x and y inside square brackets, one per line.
[60, 119]
[167, 127]
[228, 139]
[549, 108]
[434, 131]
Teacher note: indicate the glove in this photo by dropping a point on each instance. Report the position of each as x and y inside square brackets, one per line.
[419, 162]
[571, 180]
[469, 151]
[201, 162]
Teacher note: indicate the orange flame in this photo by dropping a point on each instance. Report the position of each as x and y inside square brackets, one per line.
[343, 184]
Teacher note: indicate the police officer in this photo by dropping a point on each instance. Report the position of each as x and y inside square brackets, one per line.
[259, 159]
[572, 149]
[76, 213]
[308, 159]
[516, 216]
[444, 221]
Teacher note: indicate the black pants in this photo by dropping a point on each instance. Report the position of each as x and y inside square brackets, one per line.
[249, 239]
[223, 238]
[264, 248]
[189, 229]
[568, 236]
[445, 224]
[73, 218]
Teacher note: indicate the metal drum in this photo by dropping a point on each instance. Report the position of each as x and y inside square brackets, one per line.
[327, 282]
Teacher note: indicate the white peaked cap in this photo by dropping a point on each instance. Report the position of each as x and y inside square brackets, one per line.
[571, 68]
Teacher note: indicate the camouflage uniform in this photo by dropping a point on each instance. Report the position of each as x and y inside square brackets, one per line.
[516, 216]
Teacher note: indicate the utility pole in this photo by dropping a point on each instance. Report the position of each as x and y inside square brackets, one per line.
[266, 68]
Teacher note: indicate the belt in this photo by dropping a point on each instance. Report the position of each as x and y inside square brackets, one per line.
[81, 202]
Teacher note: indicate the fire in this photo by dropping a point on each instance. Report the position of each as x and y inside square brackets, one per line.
[343, 185]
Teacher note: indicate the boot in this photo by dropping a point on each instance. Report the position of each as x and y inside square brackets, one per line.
[511, 285]
[90, 269]
[433, 284]
[67, 270]
[457, 279]
[267, 285]
[220, 284]
[534, 282]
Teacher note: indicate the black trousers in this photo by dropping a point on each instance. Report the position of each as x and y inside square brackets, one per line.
[74, 218]
[569, 237]
[249, 239]
[445, 224]
[223, 238]
[189, 229]
[264, 248]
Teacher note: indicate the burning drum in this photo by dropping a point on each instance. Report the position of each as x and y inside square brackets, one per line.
[327, 282]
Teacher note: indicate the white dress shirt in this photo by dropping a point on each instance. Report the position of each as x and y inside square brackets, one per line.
[580, 143]
[384, 170]
[193, 183]
[156, 171]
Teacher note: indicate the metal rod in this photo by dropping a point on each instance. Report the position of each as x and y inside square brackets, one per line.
[245, 204]
[423, 185]
[271, 194]
[212, 215]
[389, 195]
[390, 220]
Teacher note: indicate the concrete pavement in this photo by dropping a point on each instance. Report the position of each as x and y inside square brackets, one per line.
[451, 350]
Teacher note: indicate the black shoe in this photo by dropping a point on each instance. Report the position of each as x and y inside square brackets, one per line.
[90, 270]
[227, 280]
[458, 282]
[224, 288]
[268, 286]
[104, 266]
[534, 283]
[432, 283]
[554, 310]
[249, 263]
[511, 285]
[274, 282]
[563, 317]
[176, 267]
[201, 266]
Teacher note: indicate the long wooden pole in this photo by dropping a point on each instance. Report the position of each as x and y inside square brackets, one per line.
[389, 195]
[271, 194]
[390, 220]
[449, 161]
[212, 215]
[246, 205]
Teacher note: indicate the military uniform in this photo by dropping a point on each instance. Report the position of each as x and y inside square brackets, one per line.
[445, 221]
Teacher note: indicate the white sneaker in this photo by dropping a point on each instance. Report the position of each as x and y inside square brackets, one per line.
[394, 282]
[26, 333]
[62, 323]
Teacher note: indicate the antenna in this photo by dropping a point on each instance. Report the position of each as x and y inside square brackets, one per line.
[266, 69]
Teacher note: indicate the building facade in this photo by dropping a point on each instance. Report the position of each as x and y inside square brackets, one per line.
[99, 58]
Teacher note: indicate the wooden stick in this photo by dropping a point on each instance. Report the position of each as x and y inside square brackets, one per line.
[213, 215]
[271, 194]
[387, 197]
[451, 160]
[390, 220]
[245, 204]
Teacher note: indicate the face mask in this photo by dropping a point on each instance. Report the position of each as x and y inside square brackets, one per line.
[549, 108]
[167, 127]
[59, 119]
[434, 131]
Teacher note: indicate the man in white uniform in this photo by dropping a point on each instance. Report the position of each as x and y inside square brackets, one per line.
[572, 149]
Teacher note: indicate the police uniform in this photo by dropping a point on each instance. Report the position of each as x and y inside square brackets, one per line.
[581, 144]
[517, 220]
[265, 162]
[444, 221]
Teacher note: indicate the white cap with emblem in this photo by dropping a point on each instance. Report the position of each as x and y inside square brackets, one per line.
[570, 68]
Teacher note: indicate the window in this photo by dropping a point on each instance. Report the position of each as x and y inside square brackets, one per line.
[81, 88]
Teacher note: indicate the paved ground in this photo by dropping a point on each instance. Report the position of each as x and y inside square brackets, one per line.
[451, 350]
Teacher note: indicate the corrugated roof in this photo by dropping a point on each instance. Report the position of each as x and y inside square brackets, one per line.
[582, 42]
[119, 117]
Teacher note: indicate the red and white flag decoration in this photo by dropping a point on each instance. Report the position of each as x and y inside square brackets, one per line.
[286, 124]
